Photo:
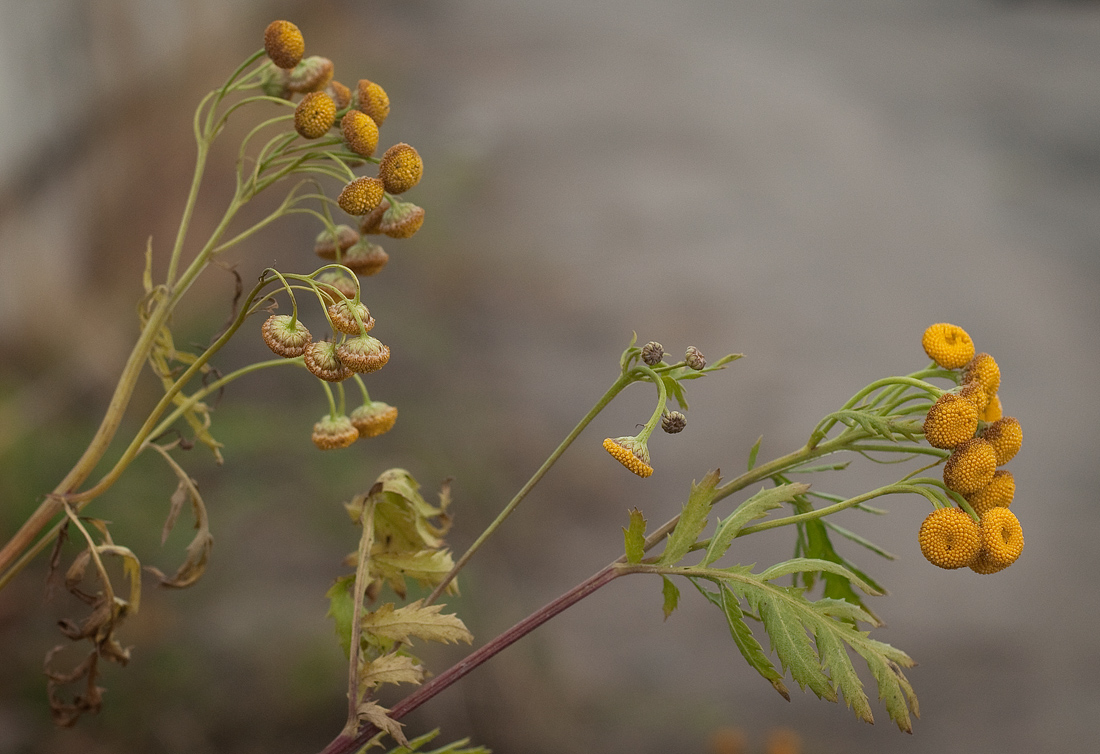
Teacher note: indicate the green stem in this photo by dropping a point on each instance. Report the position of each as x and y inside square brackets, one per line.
[828, 510]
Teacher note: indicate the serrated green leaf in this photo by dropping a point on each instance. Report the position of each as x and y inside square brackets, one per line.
[799, 565]
[341, 605]
[693, 519]
[742, 637]
[634, 537]
[846, 611]
[834, 658]
[755, 507]
[754, 451]
[415, 620]
[671, 596]
[675, 389]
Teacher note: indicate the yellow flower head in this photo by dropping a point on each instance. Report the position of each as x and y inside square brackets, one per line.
[314, 115]
[343, 314]
[374, 418]
[1002, 539]
[364, 353]
[284, 337]
[948, 345]
[340, 94]
[630, 453]
[1006, 436]
[284, 44]
[325, 245]
[983, 370]
[949, 538]
[365, 258]
[372, 100]
[974, 393]
[401, 168]
[951, 421]
[334, 432]
[970, 467]
[997, 494]
[993, 410]
[321, 359]
[401, 220]
[360, 132]
[311, 75]
[361, 196]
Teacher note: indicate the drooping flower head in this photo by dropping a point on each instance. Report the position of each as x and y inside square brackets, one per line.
[322, 361]
[333, 432]
[284, 44]
[314, 115]
[374, 418]
[360, 132]
[361, 196]
[285, 336]
[363, 354]
[401, 220]
[401, 168]
[372, 99]
[631, 453]
[347, 314]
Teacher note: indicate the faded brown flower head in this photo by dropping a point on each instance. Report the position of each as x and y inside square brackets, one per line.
[322, 361]
[360, 132]
[333, 432]
[372, 100]
[344, 286]
[284, 44]
[364, 353]
[314, 115]
[285, 336]
[311, 75]
[325, 246]
[368, 225]
[343, 314]
[401, 168]
[401, 220]
[361, 196]
[365, 258]
[949, 538]
[374, 418]
[340, 94]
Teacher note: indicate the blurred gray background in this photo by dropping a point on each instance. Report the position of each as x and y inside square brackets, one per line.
[810, 183]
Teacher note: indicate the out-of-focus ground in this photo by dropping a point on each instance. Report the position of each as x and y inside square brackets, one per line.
[809, 183]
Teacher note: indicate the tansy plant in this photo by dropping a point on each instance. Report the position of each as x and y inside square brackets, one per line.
[312, 135]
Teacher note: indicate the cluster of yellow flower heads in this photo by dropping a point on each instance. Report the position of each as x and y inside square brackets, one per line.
[968, 421]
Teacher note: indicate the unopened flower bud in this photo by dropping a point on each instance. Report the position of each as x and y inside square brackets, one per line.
[652, 353]
[401, 168]
[344, 316]
[325, 246]
[311, 75]
[360, 132]
[694, 358]
[673, 422]
[322, 361]
[285, 336]
[314, 115]
[334, 432]
[374, 418]
[365, 258]
[361, 196]
[401, 220]
[284, 43]
[364, 353]
[372, 99]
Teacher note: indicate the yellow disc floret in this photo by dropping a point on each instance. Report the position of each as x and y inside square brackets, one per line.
[970, 467]
[948, 345]
[1002, 539]
[983, 370]
[401, 168]
[284, 44]
[1006, 436]
[974, 393]
[951, 421]
[361, 196]
[625, 450]
[997, 494]
[373, 100]
[949, 538]
[993, 410]
[360, 132]
[314, 115]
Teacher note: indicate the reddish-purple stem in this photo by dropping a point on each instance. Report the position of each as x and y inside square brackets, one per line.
[347, 745]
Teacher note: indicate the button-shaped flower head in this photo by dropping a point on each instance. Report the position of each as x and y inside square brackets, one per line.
[360, 132]
[372, 99]
[401, 220]
[949, 538]
[314, 115]
[1006, 436]
[631, 453]
[336, 285]
[970, 467]
[983, 370]
[948, 345]
[311, 75]
[365, 258]
[952, 420]
[374, 418]
[361, 196]
[284, 44]
[364, 353]
[997, 494]
[340, 94]
[993, 410]
[1002, 541]
[321, 359]
[285, 335]
[347, 314]
[325, 245]
[401, 168]
[334, 432]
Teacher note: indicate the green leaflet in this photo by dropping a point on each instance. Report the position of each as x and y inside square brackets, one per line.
[755, 507]
[634, 537]
[742, 636]
[801, 565]
[455, 747]
[341, 605]
[675, 389]
[754, 451]
[671, 595]
[693, 519]
[834, 658]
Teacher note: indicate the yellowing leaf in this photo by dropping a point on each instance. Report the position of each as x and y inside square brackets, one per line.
[391, 668]
[375, 714]
[415, 620]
